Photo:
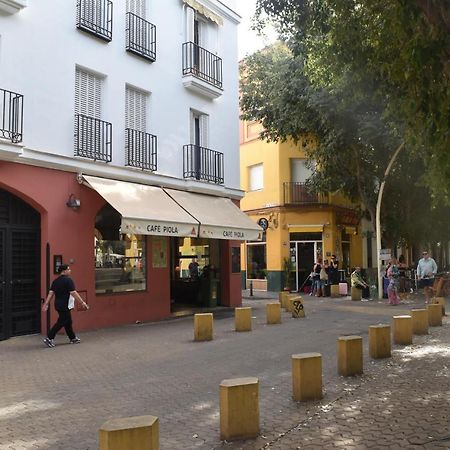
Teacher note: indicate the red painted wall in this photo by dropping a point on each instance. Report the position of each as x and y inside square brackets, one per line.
[71, 234]
[231, 282]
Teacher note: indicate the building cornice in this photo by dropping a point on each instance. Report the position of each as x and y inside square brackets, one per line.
[12, 6]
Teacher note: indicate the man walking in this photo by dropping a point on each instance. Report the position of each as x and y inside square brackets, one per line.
[61, 289]
[426, 270]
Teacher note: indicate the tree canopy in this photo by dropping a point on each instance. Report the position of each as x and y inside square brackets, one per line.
[362, 77]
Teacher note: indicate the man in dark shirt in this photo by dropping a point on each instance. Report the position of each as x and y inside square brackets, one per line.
[61, 289]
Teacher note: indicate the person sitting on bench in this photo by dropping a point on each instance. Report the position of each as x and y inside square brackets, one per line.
[359, 283]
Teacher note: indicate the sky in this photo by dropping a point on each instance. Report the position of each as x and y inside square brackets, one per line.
[248, 40]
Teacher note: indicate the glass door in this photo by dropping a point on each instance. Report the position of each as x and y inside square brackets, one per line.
[304, 254]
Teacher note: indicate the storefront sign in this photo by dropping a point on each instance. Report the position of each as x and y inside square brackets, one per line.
[157, 228]
[212, 232]
[159, 252]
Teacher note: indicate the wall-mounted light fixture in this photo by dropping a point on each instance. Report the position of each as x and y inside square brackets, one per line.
[73, 202]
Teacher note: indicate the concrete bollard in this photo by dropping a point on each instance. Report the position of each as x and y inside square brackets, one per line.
[419, 321]
[203, 327]
[131, 433]
[350, 355]
[380, 341]
[282, 298]
[239, 408]
[434, 315]
[334, 290]
[273, 313]
[402, 330]
[440, 301]
[356, 294]
[243, 319]
[296, 307]
[307, 376]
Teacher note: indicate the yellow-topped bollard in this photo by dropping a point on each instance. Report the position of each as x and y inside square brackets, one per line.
[243, 319]
[402, 330]
[296, 307]
[334, 290]
[356, 294]
[203, 327]
[434, 315]
[380, 341]
[131, 433]
[283, 298]
[239, 408]
[273, 313]
[440, 301]
[350, 355]
[419, 321]
[307, 376]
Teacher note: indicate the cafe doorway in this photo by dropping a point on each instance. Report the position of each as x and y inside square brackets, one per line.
[195, 273]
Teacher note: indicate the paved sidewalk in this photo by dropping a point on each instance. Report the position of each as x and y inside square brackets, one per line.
[58, 398]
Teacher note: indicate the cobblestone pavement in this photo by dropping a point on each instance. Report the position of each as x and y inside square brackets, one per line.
[58, 398]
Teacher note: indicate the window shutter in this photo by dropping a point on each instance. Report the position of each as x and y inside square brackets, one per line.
[136, 109]
[137, 7]
[204, 132]
[255, 177]
[88, 89]
[190, 16]
[299, 172]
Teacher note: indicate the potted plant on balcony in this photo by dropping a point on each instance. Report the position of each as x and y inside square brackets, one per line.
[288, 268]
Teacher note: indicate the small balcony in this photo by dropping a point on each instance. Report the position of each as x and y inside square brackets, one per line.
[295, 193]
[95, 17]
[141, 37]
[140, 149]
[202, 70]
[93, 138]
[11, 116]
[200, 163]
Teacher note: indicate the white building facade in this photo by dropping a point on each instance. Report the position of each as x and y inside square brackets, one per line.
[118, 155]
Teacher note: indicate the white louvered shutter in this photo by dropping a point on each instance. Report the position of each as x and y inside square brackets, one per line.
[190, 17]
[136, 109]
[204, 130]
[137, 7]
[88, 91]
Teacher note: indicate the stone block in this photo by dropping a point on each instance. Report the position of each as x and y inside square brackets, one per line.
[402, 329]
[356, 294]
[243, 319]
[434, 315]
[380, 341]
[419, 321]
[350, 355]
[239, 408]
[203, 327]
[273, 313]
[130, 433]
[307, 376]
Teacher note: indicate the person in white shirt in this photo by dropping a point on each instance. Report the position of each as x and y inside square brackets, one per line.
[426, 270]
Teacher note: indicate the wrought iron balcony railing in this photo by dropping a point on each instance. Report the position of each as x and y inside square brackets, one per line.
[141, 149]
[95, 17]
[201, 163]
[203, 64]
[93, 138]
[141, 37]
[11, 116]
[298, 194]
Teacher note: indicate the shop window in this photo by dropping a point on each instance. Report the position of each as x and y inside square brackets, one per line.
[256, 261]
[120, 259]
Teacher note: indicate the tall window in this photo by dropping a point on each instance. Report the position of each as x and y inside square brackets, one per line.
[299, 171]
[88, 93]
[120, 260]
[199, 129]
[255, 177]
[137, 7]
[136, 109]
[256, 260]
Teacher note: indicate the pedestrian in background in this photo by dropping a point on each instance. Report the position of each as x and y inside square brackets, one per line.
[61, 290]
[426, 270]
[393, 275]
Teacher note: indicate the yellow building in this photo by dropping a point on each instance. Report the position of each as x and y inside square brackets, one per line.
[300, 225]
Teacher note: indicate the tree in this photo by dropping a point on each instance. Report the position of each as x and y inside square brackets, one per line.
[397, 52]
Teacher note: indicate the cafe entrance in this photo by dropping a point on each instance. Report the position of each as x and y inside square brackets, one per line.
[195, 273]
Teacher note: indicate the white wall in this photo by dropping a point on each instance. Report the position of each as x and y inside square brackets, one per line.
[40, 48]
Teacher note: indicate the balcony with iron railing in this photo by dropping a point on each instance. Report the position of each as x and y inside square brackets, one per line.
[202, 70]
[140, 149]
[11, 116]
[200, 163]
[95, 17]
[93, 138]
[140, 37]
[296, 193]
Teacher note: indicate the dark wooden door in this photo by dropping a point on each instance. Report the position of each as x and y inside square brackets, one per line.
[19, 267]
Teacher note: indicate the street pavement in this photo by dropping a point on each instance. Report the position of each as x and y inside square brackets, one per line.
[58, 398]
